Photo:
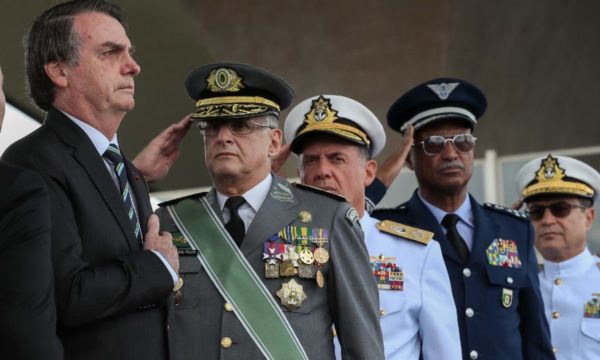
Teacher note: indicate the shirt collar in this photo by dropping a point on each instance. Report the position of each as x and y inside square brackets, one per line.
[254, 197]
[464, 211]
[96, 137]
[578, 263]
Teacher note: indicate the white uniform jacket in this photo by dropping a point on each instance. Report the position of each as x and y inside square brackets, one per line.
[571, 291]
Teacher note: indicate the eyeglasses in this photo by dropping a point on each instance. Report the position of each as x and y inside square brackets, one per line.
[236, 127]
[435, 144]
[559, 210]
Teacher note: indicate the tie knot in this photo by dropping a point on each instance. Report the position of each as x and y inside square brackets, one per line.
[450, 220]
[113, 154]
[234, 202]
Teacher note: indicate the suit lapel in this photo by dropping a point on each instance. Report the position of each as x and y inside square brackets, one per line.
[279, 209]
[88, 158]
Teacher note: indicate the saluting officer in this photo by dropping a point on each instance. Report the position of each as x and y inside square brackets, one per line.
[335, 138]
[275, 265]
[488, 250]
[570, 276]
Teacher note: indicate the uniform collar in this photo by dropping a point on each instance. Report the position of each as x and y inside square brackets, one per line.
[464, 211]
[254, 197]
[578, 263]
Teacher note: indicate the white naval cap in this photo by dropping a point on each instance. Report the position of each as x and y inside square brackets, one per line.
[557, 175]
[336, 115]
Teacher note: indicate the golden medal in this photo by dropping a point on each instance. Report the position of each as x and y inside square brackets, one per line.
[292, 295]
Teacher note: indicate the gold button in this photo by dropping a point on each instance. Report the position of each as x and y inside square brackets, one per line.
[554, 350]
[555, 315]
[226, 342]
[381, 312]
[558, 281]
[228, 307]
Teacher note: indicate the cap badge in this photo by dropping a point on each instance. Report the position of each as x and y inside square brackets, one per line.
[550, 170]
[443, 90]
[320, 112]
[224, 80]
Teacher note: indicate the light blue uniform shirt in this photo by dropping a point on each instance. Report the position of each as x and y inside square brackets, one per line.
[566, 288]
[422, 315]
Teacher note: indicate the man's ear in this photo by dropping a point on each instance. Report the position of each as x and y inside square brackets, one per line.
[56, 72]
[371, 171]
[409, 160]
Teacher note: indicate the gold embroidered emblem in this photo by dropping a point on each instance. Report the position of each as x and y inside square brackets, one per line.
[224, 80]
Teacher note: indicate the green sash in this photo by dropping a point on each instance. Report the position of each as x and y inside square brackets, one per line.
[235, 279]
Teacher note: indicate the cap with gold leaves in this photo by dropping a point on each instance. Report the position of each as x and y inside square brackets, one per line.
[435, 100]
[336, 115]
[559, 175]
[232, 90]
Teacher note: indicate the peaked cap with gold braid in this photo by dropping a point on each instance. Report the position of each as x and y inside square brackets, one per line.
[230, 90]
[559, 175]
[336, 115]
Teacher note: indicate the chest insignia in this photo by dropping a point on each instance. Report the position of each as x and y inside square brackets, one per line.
[388, 275]
[503, 253]
[592, 307]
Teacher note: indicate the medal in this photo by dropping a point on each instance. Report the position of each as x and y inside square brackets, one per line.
[306, 256]
[320, 278]
[292, 295]
[306, 271]
[305, 217]
[287, 269]
[271, 270]
[321, 255]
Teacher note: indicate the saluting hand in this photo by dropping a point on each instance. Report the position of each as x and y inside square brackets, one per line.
[161, 242]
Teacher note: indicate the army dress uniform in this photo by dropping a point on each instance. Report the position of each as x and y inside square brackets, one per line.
[418, 316]
[301, 249]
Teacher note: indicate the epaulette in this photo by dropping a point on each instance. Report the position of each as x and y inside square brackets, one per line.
[175, 201]
[404, 231]
[505, 210]
[320, 191]
[396, 209]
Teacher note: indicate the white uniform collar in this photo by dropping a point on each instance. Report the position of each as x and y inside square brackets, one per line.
[578, 263]
[254, 197]
[97, 138]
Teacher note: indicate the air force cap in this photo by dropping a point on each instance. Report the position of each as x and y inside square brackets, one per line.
[336, 115]
[231, 90]
[560, 175]
[436, 100]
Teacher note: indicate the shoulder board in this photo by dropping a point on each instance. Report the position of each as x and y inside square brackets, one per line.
[399, 208]
[175, 201]
[505, 210]
[320, 191]
[404, 231]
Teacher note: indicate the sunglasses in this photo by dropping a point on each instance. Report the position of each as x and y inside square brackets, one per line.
[435, 144]
[558, 210]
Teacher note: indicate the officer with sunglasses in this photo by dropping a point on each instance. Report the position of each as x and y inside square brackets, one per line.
[487, 249]
[560, 192]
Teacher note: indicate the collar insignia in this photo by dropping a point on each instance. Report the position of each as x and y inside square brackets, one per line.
[224, 80]
[443, 90]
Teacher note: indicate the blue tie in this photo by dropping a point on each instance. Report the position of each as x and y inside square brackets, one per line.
[113, 154]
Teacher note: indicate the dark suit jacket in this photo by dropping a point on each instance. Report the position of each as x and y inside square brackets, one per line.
[110, 295]
[27, 312]
[519, 331]
[349, 298]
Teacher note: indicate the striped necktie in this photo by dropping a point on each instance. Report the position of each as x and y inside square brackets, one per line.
[113, 154]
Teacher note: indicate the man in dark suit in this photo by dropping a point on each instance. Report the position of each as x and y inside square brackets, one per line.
[27, 312]
[488, 250]
[294, 263]
[113, 270]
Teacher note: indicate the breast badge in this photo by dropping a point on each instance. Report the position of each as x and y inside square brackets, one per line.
[388, 275]
[507, 297]
[592, 307]
[503, 253]
[291, 294]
